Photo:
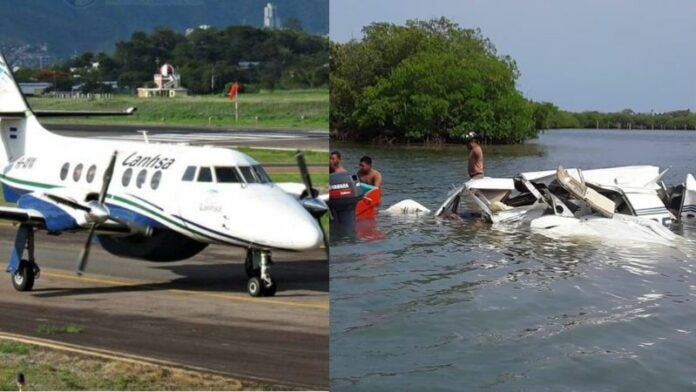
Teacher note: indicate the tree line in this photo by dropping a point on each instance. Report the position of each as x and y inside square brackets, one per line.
[208, 60]
[426, 81]
[550, 117]
[433, 81]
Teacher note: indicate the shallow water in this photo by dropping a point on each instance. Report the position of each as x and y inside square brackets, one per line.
[425, 304]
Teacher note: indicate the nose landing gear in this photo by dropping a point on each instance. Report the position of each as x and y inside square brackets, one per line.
[258, 268]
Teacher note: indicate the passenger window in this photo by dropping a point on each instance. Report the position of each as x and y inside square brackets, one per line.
[248, 174]
[262, 175]
[205, 175]
[77, 173]
[141, 178]
[91, 172]
[64, 171]
[156, 179]
[125, 180]
[227, 174]
[189, 174]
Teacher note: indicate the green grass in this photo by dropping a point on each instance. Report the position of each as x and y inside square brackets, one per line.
[278, 109]
[282, 156]
[318, 180]
[48, 329]
[10, 347]
[46, 369]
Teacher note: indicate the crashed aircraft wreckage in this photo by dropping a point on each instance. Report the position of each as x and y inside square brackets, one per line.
[573, 202]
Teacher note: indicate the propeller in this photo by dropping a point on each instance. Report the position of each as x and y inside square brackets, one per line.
[108, 175]
[311, 202]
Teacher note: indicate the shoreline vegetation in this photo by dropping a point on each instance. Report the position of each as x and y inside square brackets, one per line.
[433, 83]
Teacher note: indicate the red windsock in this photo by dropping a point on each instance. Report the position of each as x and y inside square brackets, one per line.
[234, 89]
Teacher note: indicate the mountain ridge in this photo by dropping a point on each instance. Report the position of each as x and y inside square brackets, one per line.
[39, 31]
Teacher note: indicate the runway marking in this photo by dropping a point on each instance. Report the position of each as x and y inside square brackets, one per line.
[117, 356]
[131, 282]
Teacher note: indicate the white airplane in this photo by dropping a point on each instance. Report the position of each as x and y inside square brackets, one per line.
[156, 202]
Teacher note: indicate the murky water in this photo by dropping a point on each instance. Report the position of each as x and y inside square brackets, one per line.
[424, 304]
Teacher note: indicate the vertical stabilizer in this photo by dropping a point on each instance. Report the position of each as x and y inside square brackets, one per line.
[12, 102]
[18, 125]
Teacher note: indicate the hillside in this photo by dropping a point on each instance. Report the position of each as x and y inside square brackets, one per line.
[58, 29]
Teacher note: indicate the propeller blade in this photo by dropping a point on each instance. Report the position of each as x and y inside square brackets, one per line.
[302, 164]
[69, 203]
[84, 255]
[108, 175]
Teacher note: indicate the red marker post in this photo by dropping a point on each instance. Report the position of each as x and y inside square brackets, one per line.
[234, 89]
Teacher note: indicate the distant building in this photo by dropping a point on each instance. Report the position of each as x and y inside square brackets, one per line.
[270, 17]
[248, 64]
[192, 29]
[112, 83]
[34, 88]
[167, 84]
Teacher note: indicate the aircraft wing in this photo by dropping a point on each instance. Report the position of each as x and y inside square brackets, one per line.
[22, 215]
[57, 218]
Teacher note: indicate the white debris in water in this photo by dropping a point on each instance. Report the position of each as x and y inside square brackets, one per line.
[408, 207]
[650, 297]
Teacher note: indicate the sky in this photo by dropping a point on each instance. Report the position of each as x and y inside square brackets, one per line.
[605, 55]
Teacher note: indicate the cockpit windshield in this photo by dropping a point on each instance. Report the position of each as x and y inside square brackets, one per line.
[261, 174]
[254, 174]
[227, 174]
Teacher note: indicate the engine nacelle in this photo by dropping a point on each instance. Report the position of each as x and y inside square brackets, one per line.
[161, 245]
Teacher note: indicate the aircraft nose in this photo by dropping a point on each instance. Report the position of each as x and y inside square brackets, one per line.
[280, 221]
[305, 235]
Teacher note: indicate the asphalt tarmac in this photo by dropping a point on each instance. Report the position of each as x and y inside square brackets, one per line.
[195, 312]
[276, 138]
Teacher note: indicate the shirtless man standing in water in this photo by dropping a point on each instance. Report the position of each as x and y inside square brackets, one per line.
[367, 174]
[335, 163]
[475, 158]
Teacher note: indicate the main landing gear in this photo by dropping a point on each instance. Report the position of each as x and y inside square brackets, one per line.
[258, 268]
[23, 271]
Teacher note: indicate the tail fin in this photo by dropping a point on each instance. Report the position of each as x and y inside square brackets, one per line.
[12, 102]
[18, 125]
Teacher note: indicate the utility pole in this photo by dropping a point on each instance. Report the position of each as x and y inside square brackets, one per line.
[212, 80]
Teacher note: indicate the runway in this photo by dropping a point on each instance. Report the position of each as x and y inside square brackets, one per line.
[279, 138]
[194, 312]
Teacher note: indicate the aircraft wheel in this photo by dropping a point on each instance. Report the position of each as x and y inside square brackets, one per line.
[255, 287]
[23, 278]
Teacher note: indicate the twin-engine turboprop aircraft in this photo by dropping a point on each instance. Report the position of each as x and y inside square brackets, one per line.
[156, 202]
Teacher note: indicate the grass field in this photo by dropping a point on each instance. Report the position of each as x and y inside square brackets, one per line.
[53, 370]
[278, 109]
[287, 157]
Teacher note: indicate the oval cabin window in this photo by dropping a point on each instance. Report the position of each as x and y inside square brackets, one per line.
[125, 180]
[91, 172]
[77, 173]
[141, 178]
[156, 179]
[64, 171]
